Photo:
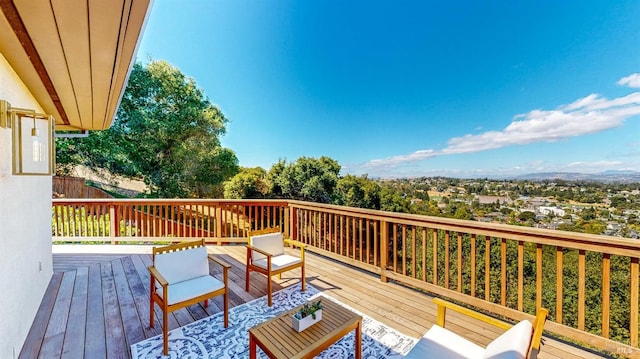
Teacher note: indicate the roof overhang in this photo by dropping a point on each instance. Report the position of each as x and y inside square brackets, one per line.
[74, 55]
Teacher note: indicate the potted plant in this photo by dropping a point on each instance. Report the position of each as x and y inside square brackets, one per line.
[307, 315]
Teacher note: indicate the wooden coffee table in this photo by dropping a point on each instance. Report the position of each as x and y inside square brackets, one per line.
[278, 340]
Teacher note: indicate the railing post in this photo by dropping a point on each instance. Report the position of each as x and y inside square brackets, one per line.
[114, 223]
[384, 250]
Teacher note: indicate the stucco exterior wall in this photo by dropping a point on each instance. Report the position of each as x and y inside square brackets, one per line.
[25, 231]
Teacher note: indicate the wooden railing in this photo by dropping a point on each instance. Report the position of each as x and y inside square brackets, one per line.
[160, 221]
[589, 283]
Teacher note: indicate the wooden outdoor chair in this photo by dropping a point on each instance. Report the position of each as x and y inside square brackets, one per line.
[265, 254]
[180, 277]
[519, 341]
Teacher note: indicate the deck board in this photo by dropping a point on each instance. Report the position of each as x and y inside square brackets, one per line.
[57, 326]
[33, 343]
[73, 345]
[105, 298]
[95, 345]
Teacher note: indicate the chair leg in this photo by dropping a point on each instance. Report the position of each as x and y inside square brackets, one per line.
[304, 284]
[247, 280]
[165, 332]
[269, 289]
[151, 319]
[226, 308]
[151, 316]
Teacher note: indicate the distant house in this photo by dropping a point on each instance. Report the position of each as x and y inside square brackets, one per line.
[545, 211]
[493, 199]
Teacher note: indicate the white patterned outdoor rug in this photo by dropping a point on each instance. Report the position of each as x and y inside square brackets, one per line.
[207, 338]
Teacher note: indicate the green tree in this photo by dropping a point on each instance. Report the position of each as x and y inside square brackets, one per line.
[307, 179]
[166, 132]
[247, 184]
[392, 201]
[357, 192]
[526, 216]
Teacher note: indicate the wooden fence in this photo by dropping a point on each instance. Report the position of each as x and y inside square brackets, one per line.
[75, 187]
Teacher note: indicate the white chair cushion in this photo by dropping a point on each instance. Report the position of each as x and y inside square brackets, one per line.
[182, 265]
[278, 262]
[271, 243]
[439, 342]
[512, 344]
[189, 289]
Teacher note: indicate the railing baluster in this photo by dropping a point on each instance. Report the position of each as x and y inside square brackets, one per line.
[414, 258]
[606, 293]
[538, 276]
[403, 250]
[460, 264]
[384, 249]
[375, 243]
[353, 237]
[487, 268]
[473, 265]
[520, 275]
[424, 254]
[85, 221]
[367, 223]
[395, 248]
[435, 256]
[341, 240]
[447, 264]
[360, 233]
[503, 271]
[581, 288]
[559, 280]
[633, 301]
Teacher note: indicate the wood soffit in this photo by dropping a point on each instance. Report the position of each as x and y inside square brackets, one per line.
[73, 55]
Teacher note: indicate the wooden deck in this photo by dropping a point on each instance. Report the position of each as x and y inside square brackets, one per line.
[96, 306]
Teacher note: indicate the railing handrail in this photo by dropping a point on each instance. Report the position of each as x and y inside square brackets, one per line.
[574, 240]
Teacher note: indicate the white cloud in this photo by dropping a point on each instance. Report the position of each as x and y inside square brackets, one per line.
[415, 156]
[632, 80]
[584, 116]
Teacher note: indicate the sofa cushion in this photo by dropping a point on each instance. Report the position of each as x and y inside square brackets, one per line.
[179, 266]
[512, 344]
[278, 262]
[439, 342]
[271, 243]
[189, 289]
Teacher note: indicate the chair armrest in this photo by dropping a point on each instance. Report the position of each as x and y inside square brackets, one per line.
[157, 276]
[295, 243]
[443, 305]
[252, 248]
[538, 326]
[224, 264]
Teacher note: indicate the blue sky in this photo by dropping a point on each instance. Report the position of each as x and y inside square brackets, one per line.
[415, 88]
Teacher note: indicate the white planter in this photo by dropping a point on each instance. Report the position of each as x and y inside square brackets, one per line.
[304, 323]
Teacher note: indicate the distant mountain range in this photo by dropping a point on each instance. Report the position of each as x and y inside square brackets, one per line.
[606, 176]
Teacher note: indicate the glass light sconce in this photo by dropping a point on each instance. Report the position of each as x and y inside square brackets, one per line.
[33, 150]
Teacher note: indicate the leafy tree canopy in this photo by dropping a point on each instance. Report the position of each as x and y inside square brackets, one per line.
[307, 179]
[249, 183]
[166, 132]
[359, 192]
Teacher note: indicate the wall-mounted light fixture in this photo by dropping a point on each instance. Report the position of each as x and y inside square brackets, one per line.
[32, 136]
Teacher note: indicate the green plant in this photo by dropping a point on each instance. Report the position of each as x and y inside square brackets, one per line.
[309, 309]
